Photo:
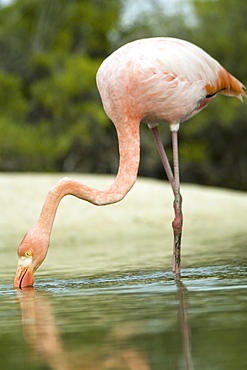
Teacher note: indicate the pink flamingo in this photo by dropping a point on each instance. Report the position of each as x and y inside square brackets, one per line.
[152, 80]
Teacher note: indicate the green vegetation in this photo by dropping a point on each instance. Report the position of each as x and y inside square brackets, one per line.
[51, 117]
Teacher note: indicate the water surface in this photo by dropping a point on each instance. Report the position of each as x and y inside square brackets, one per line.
[137, 320]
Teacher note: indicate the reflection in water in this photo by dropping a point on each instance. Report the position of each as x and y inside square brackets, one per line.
[40, 330]
[42, 336]
[184, 324]
[129, 320]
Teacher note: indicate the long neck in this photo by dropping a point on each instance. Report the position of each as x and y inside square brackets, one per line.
[129, 151]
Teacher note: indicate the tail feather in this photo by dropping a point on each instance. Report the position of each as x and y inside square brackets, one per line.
[231, 86]
[226, 84]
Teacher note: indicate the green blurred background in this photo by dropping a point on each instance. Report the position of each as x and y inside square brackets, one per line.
[51, 116]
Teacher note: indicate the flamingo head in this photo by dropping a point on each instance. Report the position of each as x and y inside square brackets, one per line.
[31, 253]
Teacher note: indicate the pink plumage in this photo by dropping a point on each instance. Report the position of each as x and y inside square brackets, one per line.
[161, 80]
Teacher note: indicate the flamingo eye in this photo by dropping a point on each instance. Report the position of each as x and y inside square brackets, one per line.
[28, 253]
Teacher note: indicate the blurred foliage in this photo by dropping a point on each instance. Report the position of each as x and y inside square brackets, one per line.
[51, 116]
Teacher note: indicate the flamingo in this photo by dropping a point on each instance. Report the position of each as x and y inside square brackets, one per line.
[153, 80]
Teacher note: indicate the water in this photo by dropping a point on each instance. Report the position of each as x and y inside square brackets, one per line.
[137, 320]
[108, 300]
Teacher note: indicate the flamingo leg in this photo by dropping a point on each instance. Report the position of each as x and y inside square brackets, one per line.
[175, 184]
[178, 221]
[163, 157]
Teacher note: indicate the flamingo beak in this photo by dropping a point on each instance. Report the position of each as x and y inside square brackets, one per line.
[24, 273]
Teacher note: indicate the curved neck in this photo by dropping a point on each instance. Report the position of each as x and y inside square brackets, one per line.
[129, 151]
